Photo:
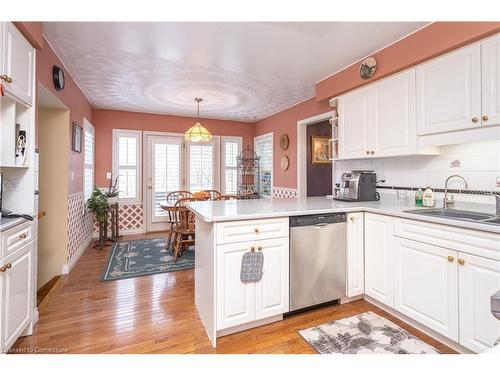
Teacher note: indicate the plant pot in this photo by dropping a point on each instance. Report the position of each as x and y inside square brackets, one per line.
[112, 200]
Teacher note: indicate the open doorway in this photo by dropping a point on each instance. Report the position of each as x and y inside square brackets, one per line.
[319, 165]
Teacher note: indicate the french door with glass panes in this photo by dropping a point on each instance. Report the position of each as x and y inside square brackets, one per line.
[164, 174]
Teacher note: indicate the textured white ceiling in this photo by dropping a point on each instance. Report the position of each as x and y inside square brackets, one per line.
[243, 71]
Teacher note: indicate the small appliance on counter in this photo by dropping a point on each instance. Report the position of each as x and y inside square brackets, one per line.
[357, 186]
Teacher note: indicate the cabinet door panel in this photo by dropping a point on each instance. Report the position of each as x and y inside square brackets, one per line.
[354, 114]
[490, 50]
[449, 92]
[479, 279]
[235, 300]
[379, 271]
[393, 116]
[355, 255]
[425, 286]
[271, 292]
[18, 62]
[18, 295]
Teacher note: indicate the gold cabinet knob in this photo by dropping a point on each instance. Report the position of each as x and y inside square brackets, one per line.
[475, 119]
[22, 236]
[353, 219]
[485, 118]
[450, 259]
[252, 249]
[461, 262]
[8, 265]
[3, 269]
[259, 248]
[6, 78]
[367, 152]
[372, 152]
[256, 230]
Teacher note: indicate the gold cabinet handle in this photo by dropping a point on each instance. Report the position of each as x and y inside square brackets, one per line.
[8, 265]
[6, 78]
[475, 119]
[3, 269]
[461, 262]
[372, 152]
[450, 259]
[367, 152]
[353, 219]
[23, 236]
[485, 118]
[259, 248]
[256, 230]
[252, 249]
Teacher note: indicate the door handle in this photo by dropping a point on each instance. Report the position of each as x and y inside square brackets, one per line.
[320, 225]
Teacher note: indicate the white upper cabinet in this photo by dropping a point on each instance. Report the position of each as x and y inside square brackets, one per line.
[449, 92]
[490, 49]
[379, 261]
[425, 285]
[479, 279]
[17, 63]
[393, 127]
[355, 253]
[379, 120]
[354, 117]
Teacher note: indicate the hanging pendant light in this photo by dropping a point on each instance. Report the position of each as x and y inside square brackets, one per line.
[197, 133]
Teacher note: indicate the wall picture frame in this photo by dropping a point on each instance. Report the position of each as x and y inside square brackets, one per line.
[76, 143]
[320, 150]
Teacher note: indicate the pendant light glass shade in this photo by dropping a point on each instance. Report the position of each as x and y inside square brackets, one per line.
[197, 133]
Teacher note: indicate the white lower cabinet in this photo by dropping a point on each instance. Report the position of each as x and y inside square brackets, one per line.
[478, 279]
[238, 302]
[379, 258]
[355, 254]
[425, 285]
[17, 296]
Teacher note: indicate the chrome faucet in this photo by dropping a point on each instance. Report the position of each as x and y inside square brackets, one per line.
[447, 203]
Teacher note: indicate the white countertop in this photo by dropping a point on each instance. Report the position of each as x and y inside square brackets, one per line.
[6, 224]
[218, 211]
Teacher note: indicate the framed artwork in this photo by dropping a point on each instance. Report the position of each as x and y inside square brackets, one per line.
[76, 144]
[320, 150]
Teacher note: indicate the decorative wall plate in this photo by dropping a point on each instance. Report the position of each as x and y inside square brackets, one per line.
[58, 78]
[284, 142]
[368, 67]
[285, 163]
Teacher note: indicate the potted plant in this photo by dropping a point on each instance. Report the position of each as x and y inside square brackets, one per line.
[98, 204]
[112, 192]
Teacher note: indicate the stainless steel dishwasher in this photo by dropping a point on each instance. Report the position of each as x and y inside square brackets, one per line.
[317, 259]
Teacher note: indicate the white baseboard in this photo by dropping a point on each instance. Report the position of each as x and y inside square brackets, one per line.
[429, 332]
[69, 266]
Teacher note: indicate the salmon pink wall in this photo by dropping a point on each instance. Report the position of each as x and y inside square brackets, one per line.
[285, 122]
[105, 121]
[73, 99]
[427, 43]
[33, 32]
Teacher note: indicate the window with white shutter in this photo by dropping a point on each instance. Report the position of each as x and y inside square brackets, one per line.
[203, 165]
[264, 148]
[88, 158]
[127, 164]
[231, 148]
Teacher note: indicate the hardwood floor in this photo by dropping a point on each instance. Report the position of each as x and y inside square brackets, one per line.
[156, 314]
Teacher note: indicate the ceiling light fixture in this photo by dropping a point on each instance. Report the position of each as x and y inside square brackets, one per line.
[197, 133]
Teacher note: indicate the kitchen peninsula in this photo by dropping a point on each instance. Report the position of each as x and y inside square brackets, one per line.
[383, 243]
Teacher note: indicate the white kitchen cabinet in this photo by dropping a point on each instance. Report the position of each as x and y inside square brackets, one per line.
[393, 124]
[379, 258]
[379, 120]
[425, 285]
[235, 300]
[17, 295]
[490, 87]
[478, 278]
[355, 254]
[18, 61]
[272, 291]
[354, 118]
[449, 92]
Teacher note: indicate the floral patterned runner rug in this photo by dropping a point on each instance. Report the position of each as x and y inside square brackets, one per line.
[364, 333]
[144, 257]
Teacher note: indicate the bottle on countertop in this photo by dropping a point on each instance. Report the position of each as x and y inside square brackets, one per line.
[428, 198]
[419, 197]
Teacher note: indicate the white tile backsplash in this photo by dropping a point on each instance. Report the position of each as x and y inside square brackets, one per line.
[479, 163]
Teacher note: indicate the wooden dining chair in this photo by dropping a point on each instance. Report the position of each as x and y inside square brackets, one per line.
[226, 198]
[212, 194]
[184, 228]
[171, 199]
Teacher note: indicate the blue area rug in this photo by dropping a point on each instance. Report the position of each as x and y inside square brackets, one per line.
[144, 257]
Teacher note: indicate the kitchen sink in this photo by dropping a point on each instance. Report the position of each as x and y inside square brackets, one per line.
[458, 215]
